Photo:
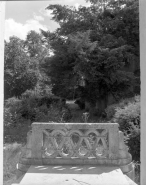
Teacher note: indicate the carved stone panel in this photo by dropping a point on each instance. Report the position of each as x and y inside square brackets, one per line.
[75, 143]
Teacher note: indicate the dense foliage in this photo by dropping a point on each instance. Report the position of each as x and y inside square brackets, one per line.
[96, 53]
[94, 46]
[22, 67]
[18, 76]
[127, 114]
[119, 106]
[34, 108]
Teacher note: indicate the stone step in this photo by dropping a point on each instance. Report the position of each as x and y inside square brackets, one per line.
[74, 175]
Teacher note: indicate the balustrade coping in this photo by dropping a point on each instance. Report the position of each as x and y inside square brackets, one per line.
[75, 125]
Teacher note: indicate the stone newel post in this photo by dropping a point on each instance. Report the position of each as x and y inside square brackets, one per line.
[113, 141]
[37, 139]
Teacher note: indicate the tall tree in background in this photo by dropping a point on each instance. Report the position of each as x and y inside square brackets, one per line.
[38, 50]
[18, 77]
[22, 68]
[92, 51]
[94, 44]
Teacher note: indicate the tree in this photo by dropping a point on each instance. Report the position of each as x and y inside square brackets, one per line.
[38, 49]
[23, 61]
[94, 44]
[18, 77]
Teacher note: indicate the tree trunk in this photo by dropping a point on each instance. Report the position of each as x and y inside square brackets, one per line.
[101, 104]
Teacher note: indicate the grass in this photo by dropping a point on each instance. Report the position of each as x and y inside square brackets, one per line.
[14, 140]
[10, 160]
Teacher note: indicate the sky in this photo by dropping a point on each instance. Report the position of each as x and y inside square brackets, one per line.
[24, 16]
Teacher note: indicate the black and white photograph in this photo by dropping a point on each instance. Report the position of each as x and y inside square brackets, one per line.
[72, 92]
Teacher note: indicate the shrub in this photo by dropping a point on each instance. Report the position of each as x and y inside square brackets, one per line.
[43, 113]
[34, 107]
[28, 108]
[127, 115]
[66, 114]
[40, 99]
[12, 102]
[12, 112]
[112, 109]
[133, 141]
[28, 94]
[128, 118]
[48, 100]
[19, 118]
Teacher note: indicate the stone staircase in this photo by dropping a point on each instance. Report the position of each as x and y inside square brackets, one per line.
[75, 154]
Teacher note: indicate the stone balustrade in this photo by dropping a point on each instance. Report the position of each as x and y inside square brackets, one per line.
[76, 144]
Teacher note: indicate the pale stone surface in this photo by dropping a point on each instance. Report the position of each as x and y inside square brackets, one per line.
[74, 125]
[74, 175]
[36, 142]
[130, 181]
[113, 142]
[131, 174]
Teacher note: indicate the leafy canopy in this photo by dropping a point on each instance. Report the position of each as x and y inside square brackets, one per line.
[94, 44]
[22, 68]
[17, 75]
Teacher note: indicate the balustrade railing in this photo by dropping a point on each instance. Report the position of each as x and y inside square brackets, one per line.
[75, 140]
[76, 144]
